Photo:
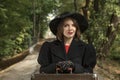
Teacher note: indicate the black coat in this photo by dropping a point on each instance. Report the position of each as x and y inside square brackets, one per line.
[81, 54]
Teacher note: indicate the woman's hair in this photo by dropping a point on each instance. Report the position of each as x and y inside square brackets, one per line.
[59, 34]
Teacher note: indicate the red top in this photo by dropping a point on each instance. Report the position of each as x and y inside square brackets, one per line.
[67, 48]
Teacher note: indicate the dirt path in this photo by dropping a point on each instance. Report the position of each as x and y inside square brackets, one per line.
[21, 70]
[25, 68]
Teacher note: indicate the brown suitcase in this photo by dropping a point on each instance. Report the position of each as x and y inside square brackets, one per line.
[64, 77]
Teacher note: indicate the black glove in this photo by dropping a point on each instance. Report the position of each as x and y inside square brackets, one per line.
[64, 65]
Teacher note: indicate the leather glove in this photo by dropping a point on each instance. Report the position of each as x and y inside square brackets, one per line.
[64, 65]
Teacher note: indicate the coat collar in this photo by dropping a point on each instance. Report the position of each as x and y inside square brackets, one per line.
[77, 47]
[58, 49]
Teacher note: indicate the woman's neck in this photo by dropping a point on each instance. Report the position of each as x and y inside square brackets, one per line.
[67, 41]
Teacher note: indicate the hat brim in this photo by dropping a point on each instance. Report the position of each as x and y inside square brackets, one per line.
[81, 20]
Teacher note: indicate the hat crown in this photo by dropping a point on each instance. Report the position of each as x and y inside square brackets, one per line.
[81, 20]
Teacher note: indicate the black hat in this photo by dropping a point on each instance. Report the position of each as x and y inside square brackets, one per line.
[81, 20]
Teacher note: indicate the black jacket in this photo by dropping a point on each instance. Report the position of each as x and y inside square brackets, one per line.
[81, 54]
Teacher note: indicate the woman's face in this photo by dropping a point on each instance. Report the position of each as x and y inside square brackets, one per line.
[69, 28]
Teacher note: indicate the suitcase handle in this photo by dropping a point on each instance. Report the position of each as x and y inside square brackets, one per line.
[57, 71]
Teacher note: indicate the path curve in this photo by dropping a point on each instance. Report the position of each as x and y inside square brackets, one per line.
[21, 70]
[24, 69]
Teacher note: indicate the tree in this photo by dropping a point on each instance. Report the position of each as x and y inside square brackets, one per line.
[104, 28]
[14, 25]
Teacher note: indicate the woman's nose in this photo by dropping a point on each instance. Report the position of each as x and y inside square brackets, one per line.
[70, 27]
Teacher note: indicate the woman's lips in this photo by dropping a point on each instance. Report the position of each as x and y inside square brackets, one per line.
[70, 33]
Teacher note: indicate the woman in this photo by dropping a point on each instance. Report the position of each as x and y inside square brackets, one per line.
[67, 53]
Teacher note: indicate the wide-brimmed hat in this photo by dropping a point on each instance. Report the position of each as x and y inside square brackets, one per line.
[81, 20]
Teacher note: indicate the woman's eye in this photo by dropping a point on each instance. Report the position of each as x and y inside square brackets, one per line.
[65, 25]
[73, 25]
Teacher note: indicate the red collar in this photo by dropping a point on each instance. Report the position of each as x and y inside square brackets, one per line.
[67, 48]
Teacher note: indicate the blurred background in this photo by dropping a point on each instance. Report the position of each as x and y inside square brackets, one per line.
[23, 23]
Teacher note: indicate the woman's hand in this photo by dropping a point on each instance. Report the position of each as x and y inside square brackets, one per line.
[65, 67]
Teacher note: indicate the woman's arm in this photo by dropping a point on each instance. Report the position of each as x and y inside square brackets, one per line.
[89, 61]
[89, 58]
[44, 59]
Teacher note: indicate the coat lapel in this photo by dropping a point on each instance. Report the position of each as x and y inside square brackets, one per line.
[76, 49]
[58, 50]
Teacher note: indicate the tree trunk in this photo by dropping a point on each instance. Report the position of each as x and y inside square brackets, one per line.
[85, 9]
[87, 15]
[96, 5]
[111, 35]
[34, 22]
[75, 5]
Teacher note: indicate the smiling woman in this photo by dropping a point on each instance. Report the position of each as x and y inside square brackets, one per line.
[68, 28]
[68, 53]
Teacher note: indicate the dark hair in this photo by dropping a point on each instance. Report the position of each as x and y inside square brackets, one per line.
[59, 34]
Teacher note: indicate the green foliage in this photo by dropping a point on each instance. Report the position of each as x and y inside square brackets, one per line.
[115, 50]
[99, 23]
[15, 27]
[6, 49]
[16, 22]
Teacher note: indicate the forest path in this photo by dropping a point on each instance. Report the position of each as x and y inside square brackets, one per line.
[21, 70]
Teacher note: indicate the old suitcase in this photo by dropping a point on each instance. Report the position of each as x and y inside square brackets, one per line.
[64, 77]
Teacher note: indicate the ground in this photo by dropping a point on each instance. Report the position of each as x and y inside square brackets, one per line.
[21, 70]
[108, 69]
